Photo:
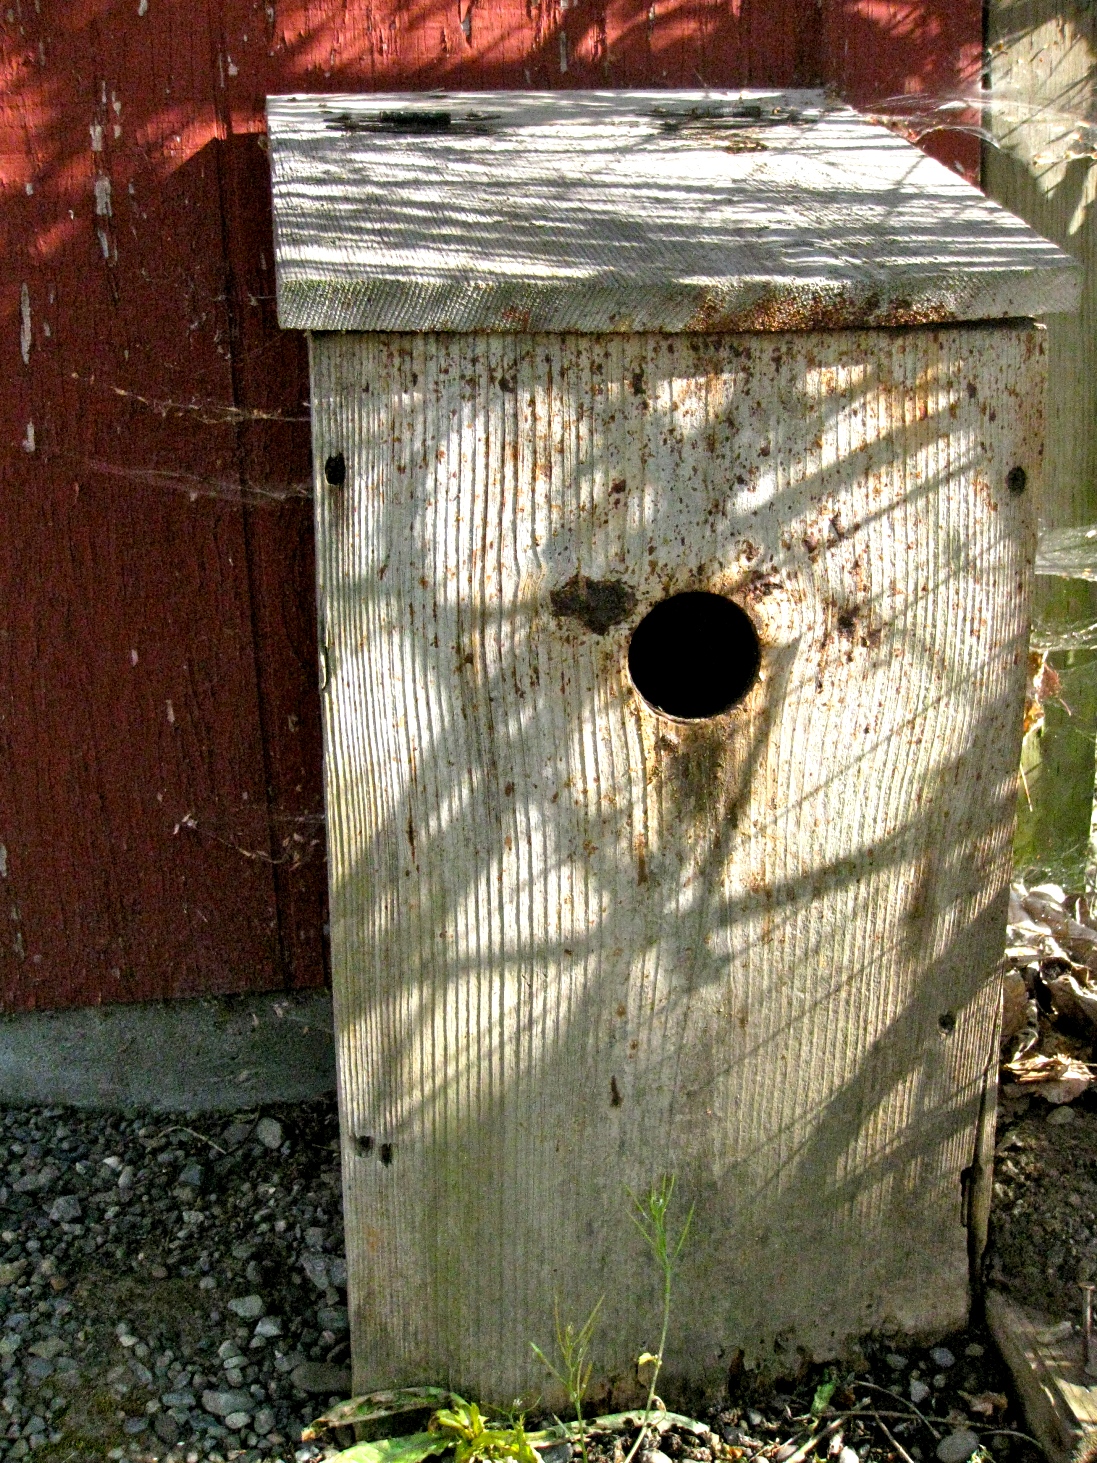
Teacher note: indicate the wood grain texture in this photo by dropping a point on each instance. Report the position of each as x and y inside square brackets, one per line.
[1060, 1401]
[164, 508]
[632, 211]
[1043, 64]
[939, 49]
[577, 944]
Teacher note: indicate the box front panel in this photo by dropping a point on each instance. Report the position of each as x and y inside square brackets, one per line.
[578, 944]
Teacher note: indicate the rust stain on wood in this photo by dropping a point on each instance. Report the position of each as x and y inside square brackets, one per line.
[158, 543]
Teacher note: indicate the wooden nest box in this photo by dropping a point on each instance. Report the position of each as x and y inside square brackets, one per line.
[674, 470]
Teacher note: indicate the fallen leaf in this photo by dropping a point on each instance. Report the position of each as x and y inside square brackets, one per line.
[1073, 999]
[1060, 1079]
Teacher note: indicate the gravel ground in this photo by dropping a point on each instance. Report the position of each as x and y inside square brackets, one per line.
[173, 1288]
[170, 1287]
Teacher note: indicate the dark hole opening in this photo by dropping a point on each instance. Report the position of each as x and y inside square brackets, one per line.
[694, 655]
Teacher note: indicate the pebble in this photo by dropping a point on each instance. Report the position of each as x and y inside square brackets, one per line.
[942, 1357]
[247, 1307]
[957, 1447]
[65, 1209]
[918, 1391]
[312, 1376]
[194, 1226]
[847, 1455]
[895, 1361]
[269, 1132]
[1060, 1116]
[220, 1403]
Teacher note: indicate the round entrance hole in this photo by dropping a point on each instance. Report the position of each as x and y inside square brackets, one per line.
[694, 655]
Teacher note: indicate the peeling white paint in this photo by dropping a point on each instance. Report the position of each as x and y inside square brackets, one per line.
[96, 130]
[102, 196]
[134, 657]
[143, 7]
[24, 324]
[563, 51]
[29, 188]
[46, 329]
[104, 242]
[171, 714]
[234, 70]
[3, 862]
[27, 443]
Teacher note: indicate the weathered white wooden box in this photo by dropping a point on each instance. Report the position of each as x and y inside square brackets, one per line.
[573, 355]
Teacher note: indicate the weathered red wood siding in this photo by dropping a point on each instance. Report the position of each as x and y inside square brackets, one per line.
[160, 797]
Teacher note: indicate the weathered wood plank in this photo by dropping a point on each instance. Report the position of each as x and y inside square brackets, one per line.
[577, 944]
[629, 211]
[1043, 66]
[1060, 1401]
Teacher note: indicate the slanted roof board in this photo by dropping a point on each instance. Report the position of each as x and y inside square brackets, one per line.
[623, 211]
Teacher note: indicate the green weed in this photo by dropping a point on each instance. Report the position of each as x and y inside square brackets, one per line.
[573, 1374]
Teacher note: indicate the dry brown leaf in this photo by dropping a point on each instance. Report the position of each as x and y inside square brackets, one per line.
[1060, 1079]
[1014, 1003]
[1072, 998]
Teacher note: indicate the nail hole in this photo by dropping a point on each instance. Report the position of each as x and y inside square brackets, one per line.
[335, 470]
[947, 1021]
[386, 1154]
[364, 1144]
[614, 1093]
[1017, 480]
[694, 655]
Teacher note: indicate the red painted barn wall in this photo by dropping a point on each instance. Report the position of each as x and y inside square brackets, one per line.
[160, 796]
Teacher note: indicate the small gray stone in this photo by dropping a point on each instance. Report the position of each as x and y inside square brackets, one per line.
[134, 1425]
[235, 1134]
[191, 1176]
[337, 1272]
[166, 1428]
[1060, 1116]
[319, 1376]
[316, 1268]
[332, 1318]
[264, 1421]
[942, 1357]
[50, 1347]
[39, 1368]
[66, 1209]
[269, 1133]
[222, 1403]
[315, 1237]
[847, 1455]
[237, 1420]
[895, 1361]
[918, 1391]
[247, 1307]
[957, 1447]
[177, 1399]
[269, 1326]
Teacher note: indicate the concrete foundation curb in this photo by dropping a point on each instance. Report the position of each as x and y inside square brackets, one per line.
[224, 1054]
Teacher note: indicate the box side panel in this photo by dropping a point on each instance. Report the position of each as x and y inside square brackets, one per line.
[578, 945]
